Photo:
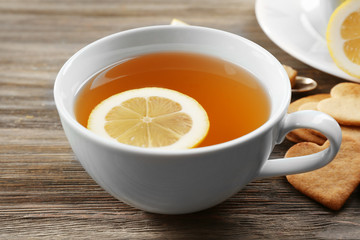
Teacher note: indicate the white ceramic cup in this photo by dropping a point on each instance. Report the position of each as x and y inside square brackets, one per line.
[184, 181]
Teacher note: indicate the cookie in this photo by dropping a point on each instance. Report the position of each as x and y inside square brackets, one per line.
[344, 104]
[294, 106]
[309, 106]
[292, 73]
[306, 135]
[293, 137]
[333, 184]
[351, 131]
[312, 106]
[346, 89]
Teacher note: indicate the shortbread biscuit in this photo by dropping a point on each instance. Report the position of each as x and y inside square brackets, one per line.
[309, 106]
[344, 104]
[346, 89]
[292, 73]
[293, 137]
[306, 135]
[294, 106]
[351, 131]
[333, 184]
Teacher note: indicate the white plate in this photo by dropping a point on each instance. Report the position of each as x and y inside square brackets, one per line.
[298, 27]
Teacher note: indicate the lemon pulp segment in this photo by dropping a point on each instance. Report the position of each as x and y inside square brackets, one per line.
[343, 37]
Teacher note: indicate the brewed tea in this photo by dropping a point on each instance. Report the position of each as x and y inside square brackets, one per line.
[234, 100]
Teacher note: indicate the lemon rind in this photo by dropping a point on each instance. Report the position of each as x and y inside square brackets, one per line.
[191, 139]
[334, 39]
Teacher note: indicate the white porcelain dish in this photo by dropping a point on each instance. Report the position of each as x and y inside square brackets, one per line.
[298, 27]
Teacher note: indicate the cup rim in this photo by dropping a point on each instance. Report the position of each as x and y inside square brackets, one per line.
[75, 125]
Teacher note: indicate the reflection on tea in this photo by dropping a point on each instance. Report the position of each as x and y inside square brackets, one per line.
[233, 99]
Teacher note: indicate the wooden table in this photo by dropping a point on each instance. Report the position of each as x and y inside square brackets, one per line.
[45, 193]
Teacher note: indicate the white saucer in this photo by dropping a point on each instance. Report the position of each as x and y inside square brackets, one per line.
[289, 25]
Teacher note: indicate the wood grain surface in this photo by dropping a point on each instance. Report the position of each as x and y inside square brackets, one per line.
[46, 194]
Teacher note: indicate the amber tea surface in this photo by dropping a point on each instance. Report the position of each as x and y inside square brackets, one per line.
[234, 100]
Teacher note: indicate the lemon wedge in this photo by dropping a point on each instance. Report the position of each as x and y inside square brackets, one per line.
[343, 37]
[151, 118]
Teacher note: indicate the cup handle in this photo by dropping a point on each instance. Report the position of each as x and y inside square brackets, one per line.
[304, 119]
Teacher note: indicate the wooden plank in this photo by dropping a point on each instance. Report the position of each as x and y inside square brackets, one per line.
[44, 191]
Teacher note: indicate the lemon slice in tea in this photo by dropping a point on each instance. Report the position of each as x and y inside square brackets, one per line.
[151, 118]
[343, 37]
